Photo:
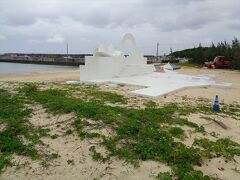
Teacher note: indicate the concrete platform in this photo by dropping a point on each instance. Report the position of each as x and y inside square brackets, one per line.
[158, 84]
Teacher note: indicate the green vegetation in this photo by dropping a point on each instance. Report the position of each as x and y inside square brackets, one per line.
[150, 104]
[17, 135]
[55, 156]
[164, 176]
[93, 92]
[222, 147]
[55, 136]
[45, 164]
[190, 64]
[107, 96]
[152, 133]
[97, 156]
[69, 131]
[4, 161]
[202, 54]
[232, 110]
[70, 161]
[176, 132]
[139, 134]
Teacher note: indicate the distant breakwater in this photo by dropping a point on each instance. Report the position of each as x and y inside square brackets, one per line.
[54, 59]
[63, 63]
[48, 59]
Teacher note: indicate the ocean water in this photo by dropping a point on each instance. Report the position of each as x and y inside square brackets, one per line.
[6, 67]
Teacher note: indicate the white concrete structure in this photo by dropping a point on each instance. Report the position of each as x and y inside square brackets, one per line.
[158, 84]
[171, 67]
[108, 65]
[110, 62]
[168, 66]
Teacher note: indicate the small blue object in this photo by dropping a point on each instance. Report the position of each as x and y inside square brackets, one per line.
[216, 107]
[174, 66]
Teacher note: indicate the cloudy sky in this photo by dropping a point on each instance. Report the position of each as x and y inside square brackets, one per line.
[45, 26]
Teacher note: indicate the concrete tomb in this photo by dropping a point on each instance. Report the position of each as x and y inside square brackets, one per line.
[109, 65]
[108, 62]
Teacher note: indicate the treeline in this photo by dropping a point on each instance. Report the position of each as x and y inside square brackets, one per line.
[201, 54]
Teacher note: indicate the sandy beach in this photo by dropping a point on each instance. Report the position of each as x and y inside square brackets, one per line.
[40, 76]
[220, 75]
[84, 167]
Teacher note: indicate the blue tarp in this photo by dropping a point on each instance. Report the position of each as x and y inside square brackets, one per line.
[174, 66]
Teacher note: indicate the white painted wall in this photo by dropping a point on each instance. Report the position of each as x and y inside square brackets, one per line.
[107, 63]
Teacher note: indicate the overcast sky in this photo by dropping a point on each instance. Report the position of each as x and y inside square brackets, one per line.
[45, 26]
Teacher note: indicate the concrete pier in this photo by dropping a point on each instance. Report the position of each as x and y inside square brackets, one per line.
[51, 59]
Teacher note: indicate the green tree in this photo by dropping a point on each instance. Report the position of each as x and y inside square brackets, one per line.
[202, 54]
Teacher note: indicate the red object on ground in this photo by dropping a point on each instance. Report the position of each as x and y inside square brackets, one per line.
[218, 62]
[162, 70]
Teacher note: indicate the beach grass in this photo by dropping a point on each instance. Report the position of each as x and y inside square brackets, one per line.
[149, 133]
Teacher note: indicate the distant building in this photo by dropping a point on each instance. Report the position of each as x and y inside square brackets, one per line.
[183, 60]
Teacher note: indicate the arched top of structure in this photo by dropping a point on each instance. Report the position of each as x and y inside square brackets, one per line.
[129, 37]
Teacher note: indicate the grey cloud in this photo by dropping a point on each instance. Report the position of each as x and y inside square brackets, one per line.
[94, 20]
[19, 20]
[2, 37]
[153, 3]
[57, 38]
[234, 25]
[196, 22]
[105, 14]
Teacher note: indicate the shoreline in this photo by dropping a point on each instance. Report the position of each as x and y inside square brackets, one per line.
[59, 75]
[59, 63]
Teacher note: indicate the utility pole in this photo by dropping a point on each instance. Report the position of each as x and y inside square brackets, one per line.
[157, 49]
[67, 49]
